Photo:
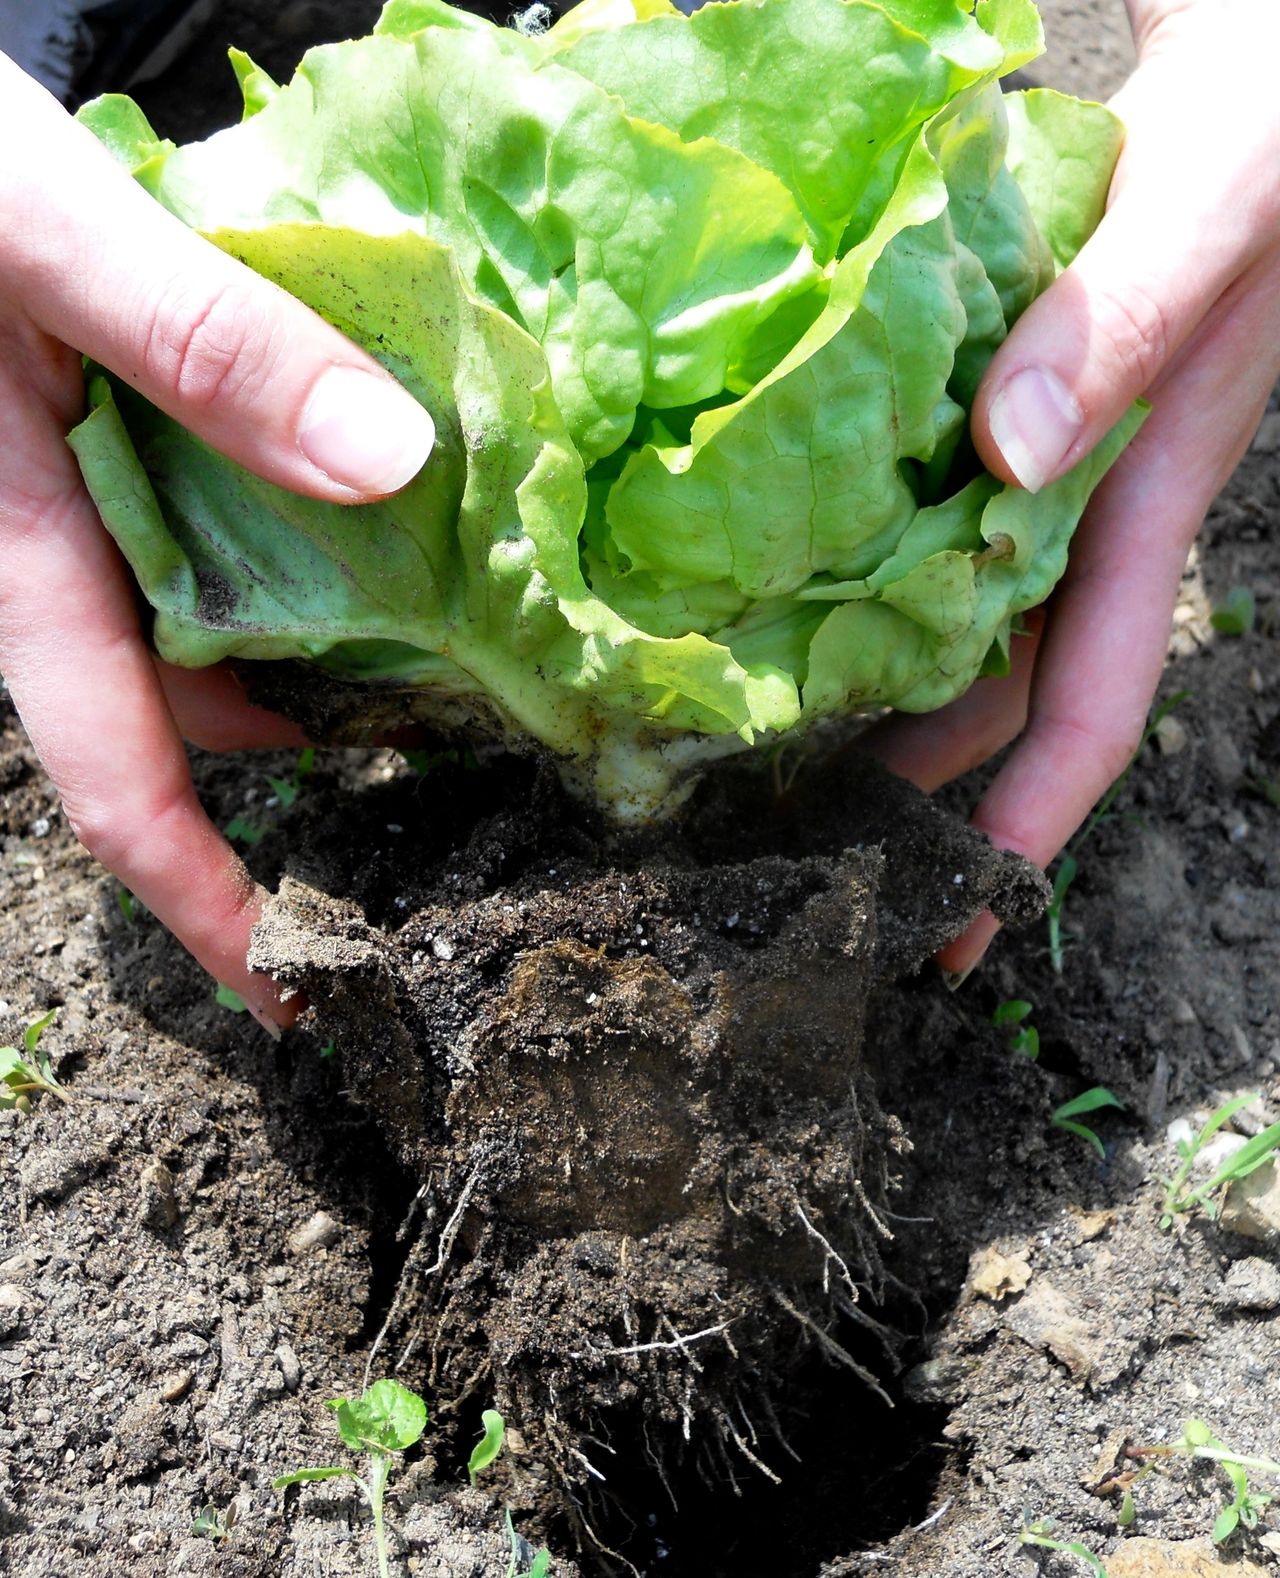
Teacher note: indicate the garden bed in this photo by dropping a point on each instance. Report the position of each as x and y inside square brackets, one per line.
[477, 1190]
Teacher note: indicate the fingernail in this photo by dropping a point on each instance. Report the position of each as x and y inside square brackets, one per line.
[1034, 421]
[953, 980]
[265, 1020]
[365, 432]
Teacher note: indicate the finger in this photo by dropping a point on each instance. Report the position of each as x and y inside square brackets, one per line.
[212, 711]
[1183, 226]
[87, 692]
[94, 261]
[1105, 645]
[930, 749]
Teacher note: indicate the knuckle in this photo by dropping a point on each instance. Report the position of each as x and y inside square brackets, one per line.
[92, 822]
[111, 835]
[212, 350]
[1135, 325]
[1108, 749]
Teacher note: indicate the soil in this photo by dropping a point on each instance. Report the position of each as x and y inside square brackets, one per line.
[809, 1275]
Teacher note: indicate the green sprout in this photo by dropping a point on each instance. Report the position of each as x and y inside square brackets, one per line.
[250, 830]
[383, 1422]
[489, 1445]
[525, 1561]
[28, 1073]
[245, 831]
[287, 790]
[1199, 1442]
[1063, 877]
[1235, 614]
[1039, 1534]
[1252, 1154]
[1025, 1038]
[211, 1524]
[1069, 866]
[226, 998]
[1064, 1117]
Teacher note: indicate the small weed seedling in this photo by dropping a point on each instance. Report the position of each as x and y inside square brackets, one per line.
[1198, 1441]
[525, 1561]
[232, 1001]
[382, 1423]
[1251, 1155]
[1235, 614]
[252, 830]
[1069, 866]
[211, 1524]
[489, 1445]
[1039, 1534]
[1063, 877]
[28, 1073]
[1065, 1116]
[1012, 1014]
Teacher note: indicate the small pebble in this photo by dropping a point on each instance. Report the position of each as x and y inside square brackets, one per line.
[175, 1387]
[12, 1300]
[290, 1367]
[157, 1202]
[1171, 736]
[1251, 1284]
[317, 1232]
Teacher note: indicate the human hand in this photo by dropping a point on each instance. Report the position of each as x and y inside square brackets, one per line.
[88, 260]
[1175, 297]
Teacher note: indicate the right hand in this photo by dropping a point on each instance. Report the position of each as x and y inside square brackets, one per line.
[90, 263]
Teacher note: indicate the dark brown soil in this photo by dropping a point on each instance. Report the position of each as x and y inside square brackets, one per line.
[218, 1233]
[627, 1073]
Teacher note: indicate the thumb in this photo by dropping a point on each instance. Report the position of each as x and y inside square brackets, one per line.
[1104, 333]
[93, 261]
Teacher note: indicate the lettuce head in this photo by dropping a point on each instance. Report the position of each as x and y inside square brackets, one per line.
[699, 305]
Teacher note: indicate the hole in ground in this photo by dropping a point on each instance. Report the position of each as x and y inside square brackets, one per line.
[866, 1471]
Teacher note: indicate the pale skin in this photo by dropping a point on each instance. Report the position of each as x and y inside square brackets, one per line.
[1177, 296]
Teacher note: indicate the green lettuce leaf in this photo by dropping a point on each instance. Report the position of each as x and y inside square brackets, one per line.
[699, 306]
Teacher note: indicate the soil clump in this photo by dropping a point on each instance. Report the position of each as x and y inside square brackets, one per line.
[627, 1072]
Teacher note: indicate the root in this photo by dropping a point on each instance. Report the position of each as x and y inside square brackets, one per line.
[677, 1341]
[481, 1373]
[779, 1434]
[830, 1346]
[451, 1227]
[864, 1200]
[830, 1255]
[405, 1284]
[745, 1449]
[579, 1515]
